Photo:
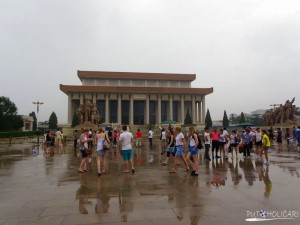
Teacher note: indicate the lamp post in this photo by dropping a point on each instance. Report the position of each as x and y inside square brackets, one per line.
[38, 103]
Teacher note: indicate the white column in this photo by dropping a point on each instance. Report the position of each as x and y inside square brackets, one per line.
[199, 113]
[147, 110]
[193, 109]
[70, 109]
[203, 109]
[106, 109]
[119, 109]
[131, 110]
[171, 107]
[159, 109]
[182, 108]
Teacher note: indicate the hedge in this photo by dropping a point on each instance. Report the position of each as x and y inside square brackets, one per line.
[18, 134]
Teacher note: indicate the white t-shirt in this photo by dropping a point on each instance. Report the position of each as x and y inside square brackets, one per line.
[58, 134]
[150, 134]
[207, 138]
[258, 136]
[179, 138]
[126, 138]
[163, 135]
[225, 133]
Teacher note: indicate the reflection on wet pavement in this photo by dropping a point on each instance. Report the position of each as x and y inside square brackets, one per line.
[44, 189]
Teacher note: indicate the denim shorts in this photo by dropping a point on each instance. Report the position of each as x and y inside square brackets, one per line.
[100, 152]
[191, 150]
[179, 150]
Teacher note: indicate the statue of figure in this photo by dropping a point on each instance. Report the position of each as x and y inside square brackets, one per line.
[279, 114]
[94, 114]
[288, 110]
[87, 110]
[80, 113]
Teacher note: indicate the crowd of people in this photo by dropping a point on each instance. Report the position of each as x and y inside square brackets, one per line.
[176, 146]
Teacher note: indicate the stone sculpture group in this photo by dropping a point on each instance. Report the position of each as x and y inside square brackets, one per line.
[88, 112]
[284, 114]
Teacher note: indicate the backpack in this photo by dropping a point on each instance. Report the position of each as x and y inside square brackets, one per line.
[200, 145]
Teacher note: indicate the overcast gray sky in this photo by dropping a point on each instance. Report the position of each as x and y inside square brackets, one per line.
[248, 50]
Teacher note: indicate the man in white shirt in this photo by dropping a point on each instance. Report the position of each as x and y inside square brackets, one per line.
[125, 140]
[207, 143]
[150, 137]
[58, 137]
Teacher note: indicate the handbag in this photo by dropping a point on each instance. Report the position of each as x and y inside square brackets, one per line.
[88, 151]
[106, 146]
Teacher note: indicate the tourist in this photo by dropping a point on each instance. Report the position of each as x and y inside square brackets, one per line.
[180, 145]
[138, 138]
[163, 141]
[101, 137]
[83, 146]
[215, 142]
[222, 142]
[234, 143]
[258, 141]
[170, 145]
[288, 137]
[279, 139]
[115, 137]
[48, 141]
[58, 136]
[125, 141]
[75, 137]
[247, 140]
[266, 145]
[150, 135]
[206, 143]
[193, 151]
[297, 135]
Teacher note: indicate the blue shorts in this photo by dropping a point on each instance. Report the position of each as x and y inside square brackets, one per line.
[127, 154]
[179, 150]
[171, 149]
[191, 150]
[83, 153]
[100, 152]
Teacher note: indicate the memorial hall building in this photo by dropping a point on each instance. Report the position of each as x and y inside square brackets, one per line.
[138, 98]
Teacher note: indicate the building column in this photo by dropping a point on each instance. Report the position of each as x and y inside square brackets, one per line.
[70, 109]
[106, 109]
[119, 109]
[182, 108]
[81, 99]
[159, 109]
[131, 110]
[199, 113]
[193, 109]
[203, 109]
[147, 109]
[171, 107]
[94, 98]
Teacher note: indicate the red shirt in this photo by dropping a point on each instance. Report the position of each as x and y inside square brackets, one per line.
[139, 134]
[215, 136]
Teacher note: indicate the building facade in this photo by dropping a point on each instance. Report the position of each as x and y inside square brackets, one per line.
[138, 98]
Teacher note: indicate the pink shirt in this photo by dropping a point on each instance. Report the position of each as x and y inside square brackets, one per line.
[215, 136]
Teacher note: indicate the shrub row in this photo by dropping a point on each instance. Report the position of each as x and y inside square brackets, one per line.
[9, 134]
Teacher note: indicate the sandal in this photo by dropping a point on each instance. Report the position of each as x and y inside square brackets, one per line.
[164, 163]
[187, 169]
[172, 171]
[80, 171]
[132, 171]
[126, 171]
[103, 172]
[99, 174]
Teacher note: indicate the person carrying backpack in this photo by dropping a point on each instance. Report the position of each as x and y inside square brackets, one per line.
[193, 141]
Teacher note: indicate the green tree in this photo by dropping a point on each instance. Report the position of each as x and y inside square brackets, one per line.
[208, 120]
[8, 110]
[34, 125]
[16, 122]
[242, 119]
[75, 120]
[225, 119]
[53, 121]
[188, 118]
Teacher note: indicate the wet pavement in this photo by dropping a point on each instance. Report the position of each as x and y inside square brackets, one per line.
[40, 189]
